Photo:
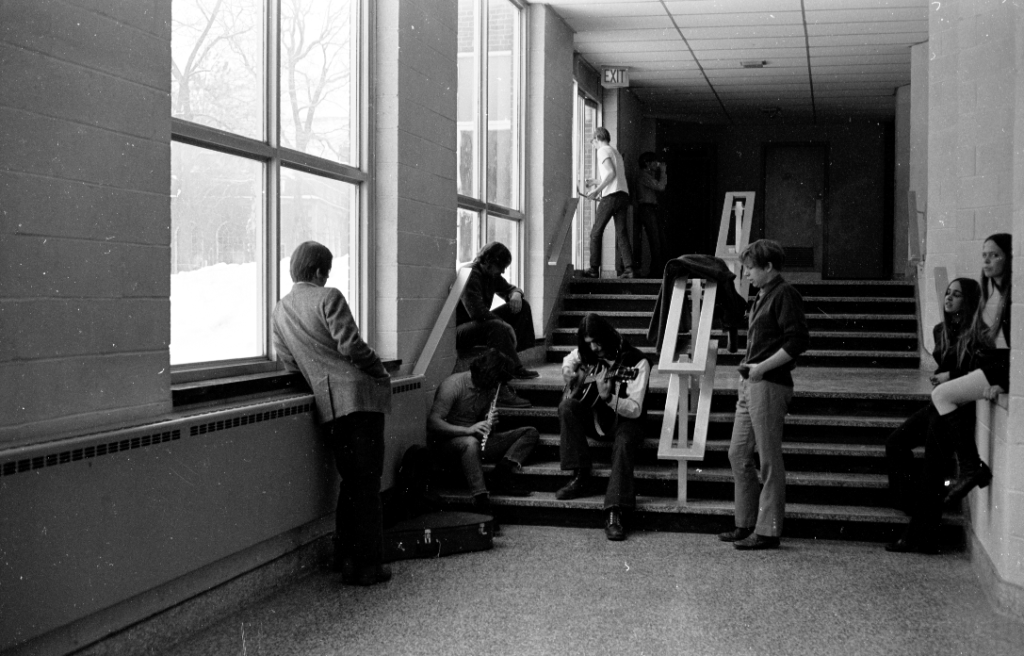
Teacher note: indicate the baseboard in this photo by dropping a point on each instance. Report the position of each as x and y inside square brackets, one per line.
[1007, 598]
[152, 622]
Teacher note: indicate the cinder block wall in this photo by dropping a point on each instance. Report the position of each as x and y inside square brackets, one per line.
[415, 76]
[550, 106]
[975, 188]
[84, 215]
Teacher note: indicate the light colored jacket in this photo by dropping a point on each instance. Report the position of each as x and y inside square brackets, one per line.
[316, 334]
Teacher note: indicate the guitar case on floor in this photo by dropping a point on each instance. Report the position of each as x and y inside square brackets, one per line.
[437, 534]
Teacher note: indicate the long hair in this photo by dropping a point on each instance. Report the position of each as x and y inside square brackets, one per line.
[494, 253]
[1005, 243]
[956, 331]
[599, 330]
[490, 368]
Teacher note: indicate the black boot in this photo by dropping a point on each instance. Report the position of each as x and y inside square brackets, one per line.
[575, 488]
[502, 480]
[613, 529]
[972, 471]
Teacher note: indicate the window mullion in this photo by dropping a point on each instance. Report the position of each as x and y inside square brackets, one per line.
[272, 196]
[482, 116]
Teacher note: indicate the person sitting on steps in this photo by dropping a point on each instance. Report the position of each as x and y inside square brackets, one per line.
[507, 328]
[610, 409]
[461, 427]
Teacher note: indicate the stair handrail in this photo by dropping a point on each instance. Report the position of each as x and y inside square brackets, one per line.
[700, 371]
[558, 239]
[441, 324]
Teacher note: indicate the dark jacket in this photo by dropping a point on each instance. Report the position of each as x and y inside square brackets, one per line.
[478, 295]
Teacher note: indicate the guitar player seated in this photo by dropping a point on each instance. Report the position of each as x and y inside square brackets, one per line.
[606, 383]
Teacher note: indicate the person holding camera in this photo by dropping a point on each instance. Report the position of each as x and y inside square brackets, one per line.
[653, 179]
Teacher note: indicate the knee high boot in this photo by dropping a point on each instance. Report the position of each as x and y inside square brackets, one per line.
[959, 430]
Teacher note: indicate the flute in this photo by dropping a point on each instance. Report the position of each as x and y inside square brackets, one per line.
[492, 414]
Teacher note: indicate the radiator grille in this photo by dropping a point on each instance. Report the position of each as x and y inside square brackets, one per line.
[84, 453]
[245, 420]
[141, 441]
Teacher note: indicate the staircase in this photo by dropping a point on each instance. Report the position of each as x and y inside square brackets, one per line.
[852, 391]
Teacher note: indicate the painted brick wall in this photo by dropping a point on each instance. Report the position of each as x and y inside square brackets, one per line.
[975, 166]
[416, 80]
[550, 106]
[84, 214]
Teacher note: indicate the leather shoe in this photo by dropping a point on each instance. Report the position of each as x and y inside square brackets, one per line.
[591, 273]
[522, 373]
[903, 545]
[367, 575]
[574, 489]
[507, 398]
[628, 273]
[613, 526]
[735, 535]
[980, 477]
[755, 541]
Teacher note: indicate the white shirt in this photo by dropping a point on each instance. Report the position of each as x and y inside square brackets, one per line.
[606, 156]
[992, 314]
[629, 406]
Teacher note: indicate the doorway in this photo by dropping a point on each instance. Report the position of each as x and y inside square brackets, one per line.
[795, 203]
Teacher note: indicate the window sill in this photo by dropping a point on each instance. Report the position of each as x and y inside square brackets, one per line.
[201, 393]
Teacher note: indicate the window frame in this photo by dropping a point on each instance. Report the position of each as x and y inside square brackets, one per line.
[274, 157]
[481, 206]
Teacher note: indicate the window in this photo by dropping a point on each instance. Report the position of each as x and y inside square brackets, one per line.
[265, 154]
[489, 139]
[585, 121]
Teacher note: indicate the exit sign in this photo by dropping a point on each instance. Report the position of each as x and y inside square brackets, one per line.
[614, 77]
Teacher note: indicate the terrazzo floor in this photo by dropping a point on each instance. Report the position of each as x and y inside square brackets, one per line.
[568, 591]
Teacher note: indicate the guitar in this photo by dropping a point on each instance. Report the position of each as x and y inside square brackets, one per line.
[583, 387]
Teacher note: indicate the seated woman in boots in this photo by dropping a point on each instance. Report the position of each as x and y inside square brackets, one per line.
[955, 357]
[953, 431]
[992, 377]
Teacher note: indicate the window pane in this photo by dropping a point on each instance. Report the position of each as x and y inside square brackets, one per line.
[319, 42]
[502, 104]
[507, 232]
[216, 232]
[318, 209]
[468, 99]
[217, 63]
[467, 236]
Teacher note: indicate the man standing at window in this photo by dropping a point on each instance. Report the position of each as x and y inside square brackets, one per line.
[316, 334]
[776, 335]
[613, 194]
[507, 328]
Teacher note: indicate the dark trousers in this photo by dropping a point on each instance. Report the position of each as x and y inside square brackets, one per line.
[939, 440]
[577, 423]
[357, 441]
[516, 445]
[508, 333]
[613, 205]
[647, 220]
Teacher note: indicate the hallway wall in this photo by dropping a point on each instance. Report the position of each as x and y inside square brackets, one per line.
[975, 188]
[856, 175]
[85, 125]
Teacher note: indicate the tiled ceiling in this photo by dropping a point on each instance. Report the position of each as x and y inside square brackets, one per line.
[826, 60]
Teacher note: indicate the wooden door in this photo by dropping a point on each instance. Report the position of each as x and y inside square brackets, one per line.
[795, 188]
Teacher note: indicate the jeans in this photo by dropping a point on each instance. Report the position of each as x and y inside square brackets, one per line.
[760, 415]
[899, 454]
[516, 445]
[357, 440]
[614, 205]
[577, 423]
[647, 218]
[508, 333]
